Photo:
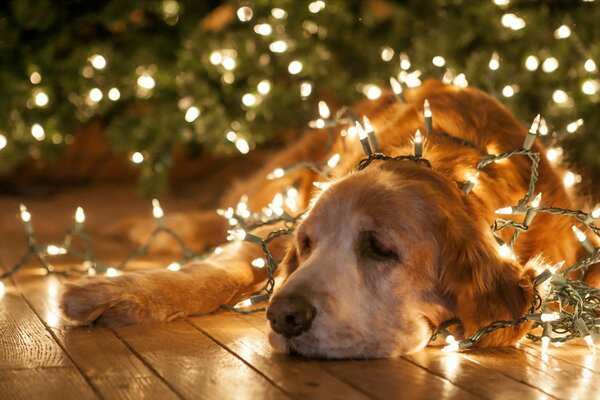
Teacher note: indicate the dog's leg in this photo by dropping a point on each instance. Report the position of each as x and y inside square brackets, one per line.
[162, 295]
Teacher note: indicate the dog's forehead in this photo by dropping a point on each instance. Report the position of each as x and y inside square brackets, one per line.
[369, 199]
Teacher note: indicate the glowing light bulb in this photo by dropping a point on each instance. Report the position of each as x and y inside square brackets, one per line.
[543, 127]
[460, 81]
[54, 250]
[427, 109]
[494, 63]
[590, 65]
[590, 87]
[512, 21]
[95, 95]
[404, 61]
[562, 32]
[192, 114]
[277, 173]
[387, 54]
[218, 250]
[316, 6]
[79, 215]
[505, 211]
[418, 144]
[112, 272]
[537, 200]
[324, 111]
[244, 13]
[259, 263]
[581, 236]
[249, 100]
[41, 99]
[35, 78]
[550, 317]
[174, 266]
[295, 67]
[372, 91]
[231, 136]
[396, 87]
[596, 213]
[25, 215]
[157, 210]
[560, 97]
[532, 63]
[570, 179]
[2, 289]
[98, 61]
[334, 160]
[262, 29]
[238, 234]
[305, 89]
[38, 132]
[145, 81]
[137, 157]
[508, 91]
[573, 126]
[228, 63]
[278, 13]
[242, 146]
[549, 65]
[263, 87]
[244, 303]
[360, 131]
[3, 141]
[438, 61]
[501, 3]
[216, 57]
[114, 94]
[278, 46]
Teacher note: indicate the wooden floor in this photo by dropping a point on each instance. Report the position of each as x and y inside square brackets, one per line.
[224, 355]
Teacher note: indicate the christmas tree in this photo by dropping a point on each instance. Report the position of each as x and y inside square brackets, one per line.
[228, 76]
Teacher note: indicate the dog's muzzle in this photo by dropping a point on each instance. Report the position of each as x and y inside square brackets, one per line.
[290, 315]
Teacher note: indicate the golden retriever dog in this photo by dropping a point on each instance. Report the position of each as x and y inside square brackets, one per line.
[385, 254]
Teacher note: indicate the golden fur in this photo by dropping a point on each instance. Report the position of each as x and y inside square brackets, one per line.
[443, 259]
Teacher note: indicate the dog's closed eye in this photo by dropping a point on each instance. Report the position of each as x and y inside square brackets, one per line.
[305, 245]
[374, 249]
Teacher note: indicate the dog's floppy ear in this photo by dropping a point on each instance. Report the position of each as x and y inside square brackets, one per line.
[484, 285]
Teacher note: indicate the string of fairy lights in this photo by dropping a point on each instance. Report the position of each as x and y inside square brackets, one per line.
[568, 309]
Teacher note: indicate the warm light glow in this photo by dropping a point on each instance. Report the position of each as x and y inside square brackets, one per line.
[508, 91]
[305, 89]
[157, 210]
[573, 126]
[263, 87]
[238, 234]
[192, 114]
[333, 160]
[404, 61]
[295, 67]
[262, 29]
[41, 99]
[112, 272]
[506, 252]
[438, 61]
[35, 78]
[562, 32]
[79, 215]
[590, 342]
[427, 109]
[512, 21]
[460, 81]
[231, 136]
[590, 65]
[228, 63]
[244, 13]
[360, 131]
[216, 57]
[278, 46]
[532, 63]
[95, 95]
[372, 91]
[3, 141]
[145, 81]
[278, 13]
[590, 87]
[543, 127]
[387, 54]
[596, 213]
[550, 317]
[494, 63]
[259, 263]
[504, 211]
[243, 303]
[2, 289]
[550, 64]
[277, 173]
[218, 250]
[137, 157]
[570, 179]
[174, 266]
[581, 236]
[418, 137]
[242, 146]
[98, 61]
[249, 100]
[54, 250]
[25, 215]
[396, 86]
[114, 94]
[537, 200]
[560, 96]
[38, 132]
[316, 6]
[324, 111]
[501, 2]
[452, 347]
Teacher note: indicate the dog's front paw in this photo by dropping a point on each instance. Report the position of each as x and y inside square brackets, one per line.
[107, 302]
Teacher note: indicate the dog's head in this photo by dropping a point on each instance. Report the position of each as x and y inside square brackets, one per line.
[386, 255]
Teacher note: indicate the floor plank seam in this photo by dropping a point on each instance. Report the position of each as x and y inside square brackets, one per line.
[238, 357]
[147, 364]
[443, 378]
[58, 342]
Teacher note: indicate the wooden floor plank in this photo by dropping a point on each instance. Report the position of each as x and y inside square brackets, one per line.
[552, 377]
[109, 365]
[302, 378]
[44, 383]
[575, 352]
[381, 378]
[470, 376]
[195, 365]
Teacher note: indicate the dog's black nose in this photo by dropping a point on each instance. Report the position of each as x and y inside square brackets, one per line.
[290, 315]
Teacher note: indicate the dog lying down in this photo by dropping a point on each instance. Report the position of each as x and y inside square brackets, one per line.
[385, 254]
